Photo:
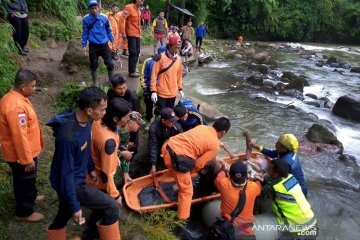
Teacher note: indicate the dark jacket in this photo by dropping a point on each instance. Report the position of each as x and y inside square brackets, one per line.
[72, 157]
[158, 133]
[16, 5]
[194, 119]
[130, 96]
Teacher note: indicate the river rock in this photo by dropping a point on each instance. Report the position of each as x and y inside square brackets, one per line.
[338, 71]
[205, 58]
[320, 134]
[334, 65]
[256, 80]
[327, 102]
[238, 56]
[348, 106]
[345, 66]
[294, 93]
[262, 57]
[355, 69]
[320, 63]
[74, 56]
[331, 60]
[269, 84]
[209, 112]
[296, 82]
[273, 64]
[249, 52]
[304, 80]
[313, 103]
[263, 69]
[311, 95]
[280, 86]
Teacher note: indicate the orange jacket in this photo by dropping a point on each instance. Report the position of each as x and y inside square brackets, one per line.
[200, 144]
[114, 24]
[230, 198]
[102, 143]
[133, 26]
[168, 83]
[122, 20]
[21, 138]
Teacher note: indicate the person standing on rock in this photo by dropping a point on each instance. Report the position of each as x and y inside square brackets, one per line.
[187, 32]
[159, 30]
[166, 77]
[18, 13]
[200, 33]
[286, 148]
[97, 30]
[133, 34]
[21, 143]
[72, 163]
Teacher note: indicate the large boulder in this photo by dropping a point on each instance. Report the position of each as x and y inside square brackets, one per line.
[355, 69]
[294, 93]
[205, 58]
[348, 106]
[73, 56]
[319, 134]
[209, 112]
[262, 57]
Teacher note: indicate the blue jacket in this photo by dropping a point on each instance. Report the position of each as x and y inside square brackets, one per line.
[294, 165]
[200, 31]
[72, 157]
[194, 119]
[100, 33]
[146, 74]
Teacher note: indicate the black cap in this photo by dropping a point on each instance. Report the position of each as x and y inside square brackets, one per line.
[168, 114]
[238, 172]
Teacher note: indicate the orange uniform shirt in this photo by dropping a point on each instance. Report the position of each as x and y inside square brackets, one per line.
[168, 83]
[20, 133]
[114, 20]
[105, 163]
[230, 198]
[200, 144]
[133, 26]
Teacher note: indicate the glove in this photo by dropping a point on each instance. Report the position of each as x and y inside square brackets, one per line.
[154, 97]
[181, 94]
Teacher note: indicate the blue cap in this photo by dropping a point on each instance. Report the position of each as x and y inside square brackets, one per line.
[92, 2]
[161, 49]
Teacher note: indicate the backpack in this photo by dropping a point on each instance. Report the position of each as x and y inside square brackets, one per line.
[189, 105]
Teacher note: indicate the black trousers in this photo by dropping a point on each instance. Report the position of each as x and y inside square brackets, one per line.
[24, 189]
[96, 51]
[199, 41]
[149, 107]
[164, 103]
[102, 205]
[21, 33]
[134, 51]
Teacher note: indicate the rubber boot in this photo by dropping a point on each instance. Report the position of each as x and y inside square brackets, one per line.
[94, 78]
[125, 52]
[109, 232]
[56, 234]
[115, 56]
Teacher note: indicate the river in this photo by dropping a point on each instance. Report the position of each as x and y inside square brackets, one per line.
[333, 184]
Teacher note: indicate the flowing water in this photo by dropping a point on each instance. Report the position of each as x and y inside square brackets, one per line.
[333, 184]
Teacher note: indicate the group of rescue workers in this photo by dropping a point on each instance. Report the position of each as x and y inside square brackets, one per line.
[102, 134]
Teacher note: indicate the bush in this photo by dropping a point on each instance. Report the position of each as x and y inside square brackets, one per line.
[9, 59]
[67, 97]
[53, 29]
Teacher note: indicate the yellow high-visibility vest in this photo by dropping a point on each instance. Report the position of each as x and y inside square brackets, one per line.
[291, 207]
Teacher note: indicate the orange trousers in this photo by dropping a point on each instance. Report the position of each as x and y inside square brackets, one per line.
[184, 183]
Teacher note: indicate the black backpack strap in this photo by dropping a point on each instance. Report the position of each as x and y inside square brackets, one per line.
[92, 24]
[167, 68]
[240, 205]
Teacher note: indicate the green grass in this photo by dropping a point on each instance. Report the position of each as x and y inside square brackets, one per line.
[67, 96]
[9, 58]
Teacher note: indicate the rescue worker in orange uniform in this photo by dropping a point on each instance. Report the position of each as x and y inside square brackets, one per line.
[133, 33]
[122, 20]
[166, 77]
[21, 143]
[189, 152]
[104, 145]
[114, 19]
[230, 184]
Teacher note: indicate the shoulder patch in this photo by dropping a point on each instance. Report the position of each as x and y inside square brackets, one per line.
[290, 183]
[157, 57]
[110, 146]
